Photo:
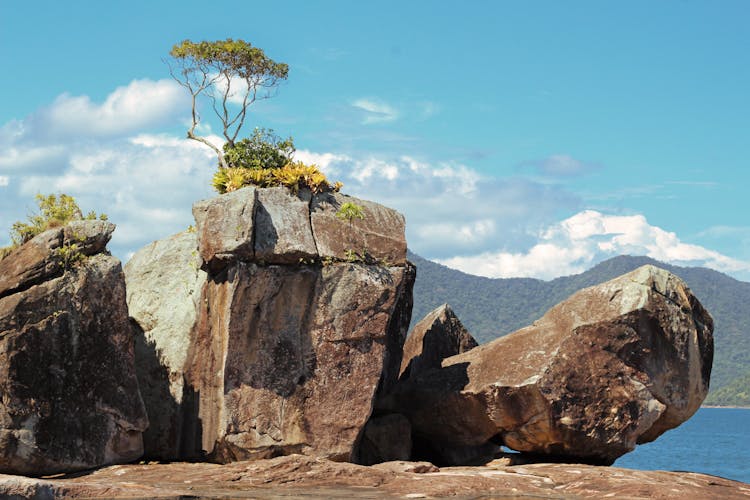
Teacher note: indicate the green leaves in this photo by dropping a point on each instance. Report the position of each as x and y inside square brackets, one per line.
[211, 70]
[350, 211]
[236, 57]
[263, 149]
[54, 211]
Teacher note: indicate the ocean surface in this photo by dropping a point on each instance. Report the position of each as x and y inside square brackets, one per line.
[714, 441]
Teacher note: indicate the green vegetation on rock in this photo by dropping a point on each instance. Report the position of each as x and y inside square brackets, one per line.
[295, 175]
[263, 149]
[491, 308]
[350, 211]
[232, 75]
[54, 211]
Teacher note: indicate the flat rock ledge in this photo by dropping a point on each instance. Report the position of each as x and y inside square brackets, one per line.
[297, 476]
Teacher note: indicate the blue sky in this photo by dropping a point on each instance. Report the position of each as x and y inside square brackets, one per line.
[518, 138]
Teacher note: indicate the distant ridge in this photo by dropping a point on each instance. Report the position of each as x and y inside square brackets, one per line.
[493, 307]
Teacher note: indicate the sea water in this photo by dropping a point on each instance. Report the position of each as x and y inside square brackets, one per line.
[713, 441]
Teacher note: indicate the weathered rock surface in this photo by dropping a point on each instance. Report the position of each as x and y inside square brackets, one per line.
[225, 227]
[379, 236]
[306, 477]
[386, 438]
[283, 234]
[274, 226]
[70, 398]
[614, 365]
[288, 359]
[437, 336]
[39, 259]
[278, 351]
[164, 284]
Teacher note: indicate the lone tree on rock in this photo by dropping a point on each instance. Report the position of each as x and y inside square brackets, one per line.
[232, 74]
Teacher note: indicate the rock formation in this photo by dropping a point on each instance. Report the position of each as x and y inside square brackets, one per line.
[313, 478]
[387, 436]
[70, 398]
[299, 321]
[437, 336]
[614, 365]
[164, 283]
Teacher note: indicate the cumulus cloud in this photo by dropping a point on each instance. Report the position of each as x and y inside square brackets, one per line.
[145, 183]
[375, 111]
[588, 237]
[449, 208]
[561, 165]
[133, 107]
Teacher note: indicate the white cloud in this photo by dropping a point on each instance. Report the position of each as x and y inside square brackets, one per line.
[148, 182]
[376, 111]
[147, 191]
[449, 208]
[18, 159]
[138, 105]
[327, 162]
[588, 237]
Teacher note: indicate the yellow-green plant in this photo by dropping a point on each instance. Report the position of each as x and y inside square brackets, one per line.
[54, 211]
[350, 211]
[69, 254]
[294, 175]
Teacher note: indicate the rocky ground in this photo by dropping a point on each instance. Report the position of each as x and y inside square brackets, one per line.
[298, 476]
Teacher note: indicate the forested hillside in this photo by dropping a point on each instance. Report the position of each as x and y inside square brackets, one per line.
[490, 308]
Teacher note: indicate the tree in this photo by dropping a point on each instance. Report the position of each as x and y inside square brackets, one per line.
[232, 74]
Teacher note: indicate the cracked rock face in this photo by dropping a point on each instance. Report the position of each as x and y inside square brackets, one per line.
[288, 360]
[286, 342]
[275, 226]
[614, 365]
[70, 398]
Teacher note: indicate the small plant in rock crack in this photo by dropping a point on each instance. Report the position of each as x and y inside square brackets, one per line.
[69, 255]
[349, 211]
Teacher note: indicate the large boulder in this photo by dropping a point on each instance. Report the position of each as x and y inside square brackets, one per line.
[283, 234]
[282, 349]
[288, 359]
[437, 336]
[164, 285]
[387, 436]
[614, 365]
[225, 227]
[276, 226]
[70, 395]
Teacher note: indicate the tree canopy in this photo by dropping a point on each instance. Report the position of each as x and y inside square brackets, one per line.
[232, 75]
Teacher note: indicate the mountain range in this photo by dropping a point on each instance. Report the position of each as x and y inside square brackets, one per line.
[492, 307]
